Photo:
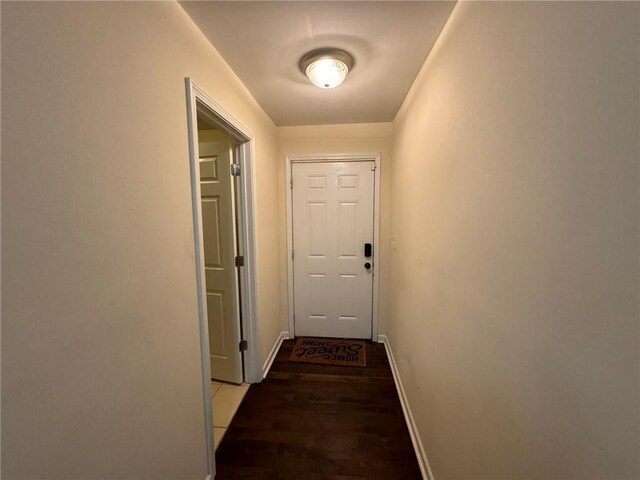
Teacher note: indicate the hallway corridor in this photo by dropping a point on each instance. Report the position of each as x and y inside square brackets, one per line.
[320, 422]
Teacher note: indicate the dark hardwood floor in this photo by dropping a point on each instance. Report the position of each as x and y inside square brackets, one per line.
[320, 422]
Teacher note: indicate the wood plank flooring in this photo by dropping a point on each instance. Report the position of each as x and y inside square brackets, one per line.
[320, 422]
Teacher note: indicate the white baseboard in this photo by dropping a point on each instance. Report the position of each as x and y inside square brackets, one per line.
[284, 335]
[425, 468]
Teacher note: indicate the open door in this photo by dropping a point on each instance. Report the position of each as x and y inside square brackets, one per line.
[217, 194]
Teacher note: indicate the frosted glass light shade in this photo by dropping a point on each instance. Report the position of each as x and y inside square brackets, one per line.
[327, 73]
[326, 68]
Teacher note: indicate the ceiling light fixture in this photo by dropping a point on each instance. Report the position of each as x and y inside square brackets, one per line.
[326, 67]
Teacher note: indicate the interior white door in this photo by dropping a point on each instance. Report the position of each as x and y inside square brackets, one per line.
[332, 221]
[219, 235]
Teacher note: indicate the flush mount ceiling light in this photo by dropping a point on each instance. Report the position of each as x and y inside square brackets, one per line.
[326, 67]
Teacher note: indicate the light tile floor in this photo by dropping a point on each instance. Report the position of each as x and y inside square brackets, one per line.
[227, 398]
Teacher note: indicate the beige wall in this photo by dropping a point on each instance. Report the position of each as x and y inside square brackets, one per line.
[514, 288]
[350, 138]
[100, 350]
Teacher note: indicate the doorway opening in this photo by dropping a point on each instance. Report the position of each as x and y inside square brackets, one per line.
[218, 201]
[222, 197]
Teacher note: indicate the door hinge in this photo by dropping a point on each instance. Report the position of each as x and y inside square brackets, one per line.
[244, 345]
[235, 169]
[240, 261]
[292, 254]
[291, 183]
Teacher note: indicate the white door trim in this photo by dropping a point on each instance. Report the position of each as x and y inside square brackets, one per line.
[340, 157]
[246, 243]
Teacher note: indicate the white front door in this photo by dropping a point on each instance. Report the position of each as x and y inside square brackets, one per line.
[219, 235]
[332, 222]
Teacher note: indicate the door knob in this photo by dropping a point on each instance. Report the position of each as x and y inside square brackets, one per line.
[367, 265]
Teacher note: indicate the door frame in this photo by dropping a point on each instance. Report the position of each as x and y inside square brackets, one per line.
[290, 160]
[246, 245]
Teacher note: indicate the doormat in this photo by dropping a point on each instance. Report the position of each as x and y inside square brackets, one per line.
[329, 351]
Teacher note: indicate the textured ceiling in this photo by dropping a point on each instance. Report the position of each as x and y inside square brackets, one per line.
[264, 41]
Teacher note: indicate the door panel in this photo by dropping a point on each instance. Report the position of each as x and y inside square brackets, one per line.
[317, 229]
[218, 230]
[211, 232]
[215, 313]
[332, 220]
[348, 229]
